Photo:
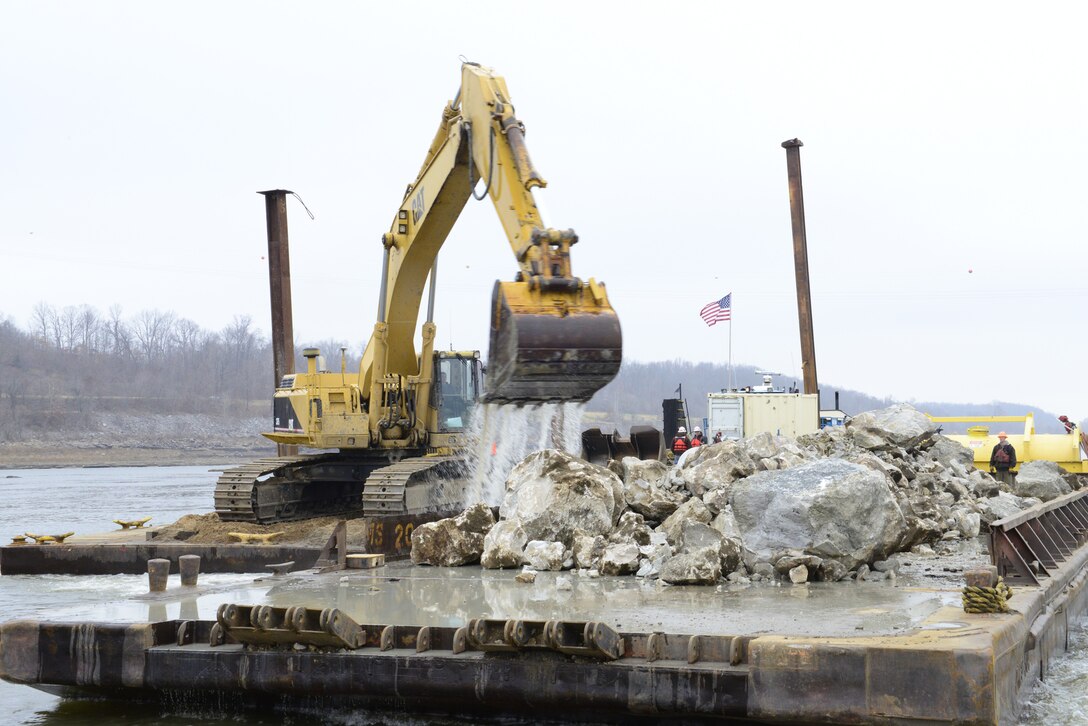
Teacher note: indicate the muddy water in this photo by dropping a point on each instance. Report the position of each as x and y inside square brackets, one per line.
[85, 500]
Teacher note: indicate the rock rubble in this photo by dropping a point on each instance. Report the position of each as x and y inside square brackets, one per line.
[833, 505]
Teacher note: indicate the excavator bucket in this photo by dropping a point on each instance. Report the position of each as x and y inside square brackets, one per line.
[561, 343]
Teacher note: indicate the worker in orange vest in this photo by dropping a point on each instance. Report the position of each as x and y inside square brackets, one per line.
[681, 443]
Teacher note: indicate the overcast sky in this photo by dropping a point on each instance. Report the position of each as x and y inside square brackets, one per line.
[944, 179]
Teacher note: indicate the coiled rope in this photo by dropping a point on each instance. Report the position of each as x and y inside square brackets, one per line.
[987, 599]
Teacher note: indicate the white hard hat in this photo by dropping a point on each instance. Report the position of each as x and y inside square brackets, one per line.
[698, 430]
[681, 430]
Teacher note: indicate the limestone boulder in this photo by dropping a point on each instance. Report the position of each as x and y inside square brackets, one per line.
[454, 541]
[588, 550]
[900, 426]
[691, 510]
[643, 490]
[504, 546]
[946, 451]
[620, 559]
[701, 567]
[828, 508]
[1002, 506]
[1043, 480]
[550, 494]
[544, 555]
[631, 528]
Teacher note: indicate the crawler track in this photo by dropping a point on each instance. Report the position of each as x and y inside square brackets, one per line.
[281, 489]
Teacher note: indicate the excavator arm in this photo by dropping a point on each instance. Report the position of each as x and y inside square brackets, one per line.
[553, 336]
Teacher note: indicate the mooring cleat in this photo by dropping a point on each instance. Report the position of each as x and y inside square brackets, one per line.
[251, 538]
[132, 523]
[19, 539]
[49, 538]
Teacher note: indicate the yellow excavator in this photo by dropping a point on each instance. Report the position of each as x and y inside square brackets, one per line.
[398, 427]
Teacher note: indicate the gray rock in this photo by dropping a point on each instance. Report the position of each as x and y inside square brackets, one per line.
[716, 500]
[631, 528]
[900, 426]
[763, 569]
[588, 550]
[693, 510]
[544, 555]
[833, 571]
[738, 578]
[828, 508]
[1002, 506]
[551, 494]
[732, 553]
[946, 451]
[862, 572]
[788, 562]
[799, 574]
[713, 467]
[696, 536]
[967, 522]
[454, 541]
[889, 565]
[700, 567]
[620, 559]
[1043, 480]
[503, 546]
[726, 523]
[643, 491]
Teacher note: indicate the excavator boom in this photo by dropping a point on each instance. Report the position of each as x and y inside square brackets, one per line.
[554, 337]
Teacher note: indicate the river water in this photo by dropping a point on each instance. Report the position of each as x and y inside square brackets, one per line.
[52, 501]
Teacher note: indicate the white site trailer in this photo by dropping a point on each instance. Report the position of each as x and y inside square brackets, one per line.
[746, 412]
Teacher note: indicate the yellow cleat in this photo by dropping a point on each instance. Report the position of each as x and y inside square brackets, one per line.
[251, 538]
[133, 523]
[49, 538]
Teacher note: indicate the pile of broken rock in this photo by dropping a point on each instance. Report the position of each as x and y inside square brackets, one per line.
[824, 506]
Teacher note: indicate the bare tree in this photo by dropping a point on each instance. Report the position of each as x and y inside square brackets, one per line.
[119, 334]
[44, 323]
[152, 330]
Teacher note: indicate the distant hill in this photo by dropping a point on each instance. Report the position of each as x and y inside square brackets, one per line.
[635, 396]
[75, 367]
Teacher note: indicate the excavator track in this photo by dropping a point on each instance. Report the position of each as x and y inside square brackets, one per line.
[281, 489]
[286, 488]
[414, 486]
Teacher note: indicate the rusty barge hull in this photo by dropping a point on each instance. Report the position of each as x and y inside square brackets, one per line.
[949, 667]
[955, 669]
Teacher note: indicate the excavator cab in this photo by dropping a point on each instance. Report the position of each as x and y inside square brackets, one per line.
[458, 379]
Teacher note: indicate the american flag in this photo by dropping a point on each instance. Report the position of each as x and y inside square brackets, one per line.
[718, 310]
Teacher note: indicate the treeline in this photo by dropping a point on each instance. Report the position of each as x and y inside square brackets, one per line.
[73, 363]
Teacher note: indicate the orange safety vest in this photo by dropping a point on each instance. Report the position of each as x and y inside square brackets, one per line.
[678, 445]
[696, 442]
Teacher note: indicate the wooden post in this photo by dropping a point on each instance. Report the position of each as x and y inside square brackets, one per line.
[279, 282]
[800, 263]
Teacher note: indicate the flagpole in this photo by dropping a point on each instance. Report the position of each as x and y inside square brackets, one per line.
[732, 377]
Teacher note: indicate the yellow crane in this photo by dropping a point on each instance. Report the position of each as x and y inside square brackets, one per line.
[398, 425]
